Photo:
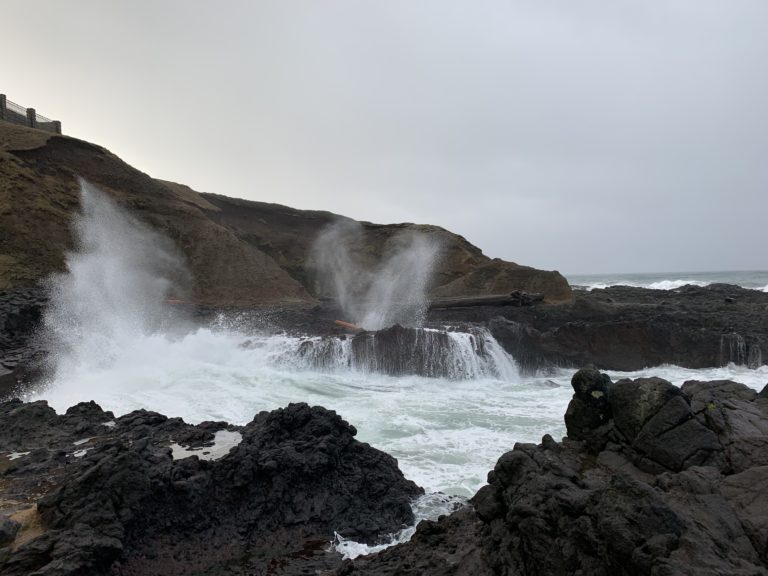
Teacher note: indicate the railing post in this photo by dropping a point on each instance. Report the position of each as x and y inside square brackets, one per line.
[2, 106]
[57, 126]
[32, 117]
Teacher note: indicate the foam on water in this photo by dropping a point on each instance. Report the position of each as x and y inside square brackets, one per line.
[446, 433]
[114, 341]
[755, 280]
[659, 285]
[427, 507]
[223, 442]
[756, 378]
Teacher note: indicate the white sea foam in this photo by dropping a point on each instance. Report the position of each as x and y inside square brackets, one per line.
[672, 284]
[675, 284]
[115, 342]
[446, 433]
[427, 507]
[754, 378]
[223, 442]
[754, 280]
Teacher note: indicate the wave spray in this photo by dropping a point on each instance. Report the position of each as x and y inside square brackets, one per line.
[376, 295]
[115, 289]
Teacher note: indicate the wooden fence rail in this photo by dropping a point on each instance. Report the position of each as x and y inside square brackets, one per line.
[12, 112]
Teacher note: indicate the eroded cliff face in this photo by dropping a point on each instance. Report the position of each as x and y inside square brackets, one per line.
[240, 253]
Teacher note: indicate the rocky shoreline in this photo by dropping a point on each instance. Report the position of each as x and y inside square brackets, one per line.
[651, 479]
[617, 328]
[87, 493]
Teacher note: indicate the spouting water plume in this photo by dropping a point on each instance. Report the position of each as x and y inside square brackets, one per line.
[376, 295]
[117, 282]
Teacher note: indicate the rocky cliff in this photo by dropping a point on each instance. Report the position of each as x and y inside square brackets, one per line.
[240, 253]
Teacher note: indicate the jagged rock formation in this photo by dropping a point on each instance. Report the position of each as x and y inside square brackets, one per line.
[20, 315]
[651, 480]
[86, 493]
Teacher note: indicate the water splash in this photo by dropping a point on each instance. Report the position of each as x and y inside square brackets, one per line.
[116, 286]
[375, 295]
[397, 351]
[427, 507]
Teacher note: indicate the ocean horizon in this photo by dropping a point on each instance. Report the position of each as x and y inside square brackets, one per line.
[751, 279]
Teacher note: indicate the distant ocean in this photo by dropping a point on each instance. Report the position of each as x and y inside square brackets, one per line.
[755, 280]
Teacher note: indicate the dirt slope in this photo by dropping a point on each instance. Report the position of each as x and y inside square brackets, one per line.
[240, 253]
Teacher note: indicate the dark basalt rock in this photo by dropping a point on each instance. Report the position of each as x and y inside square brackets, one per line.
[8, 530]
[589, 410]
[20, 355]
[623, 328]
[654, 481]
[399, 351]
[127, 507]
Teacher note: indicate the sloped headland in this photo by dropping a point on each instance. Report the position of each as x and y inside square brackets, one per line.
[240, 253]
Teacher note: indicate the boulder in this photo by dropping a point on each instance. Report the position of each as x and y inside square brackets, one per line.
[8, 530]
[589, 410]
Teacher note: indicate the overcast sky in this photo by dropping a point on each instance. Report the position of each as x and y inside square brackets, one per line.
[579, 135]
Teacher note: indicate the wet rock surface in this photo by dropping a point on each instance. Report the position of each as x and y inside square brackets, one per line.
[21, 312]
[651, 480]
[623, 328]
[85, 493]
[617, 328]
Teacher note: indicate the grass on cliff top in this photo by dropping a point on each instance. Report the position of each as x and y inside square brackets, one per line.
[17, 137]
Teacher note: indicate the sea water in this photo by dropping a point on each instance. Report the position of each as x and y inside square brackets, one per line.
[754, 280]
[114, 340]
[445, 433]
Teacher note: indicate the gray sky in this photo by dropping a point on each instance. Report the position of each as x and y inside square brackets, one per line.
[585, 136]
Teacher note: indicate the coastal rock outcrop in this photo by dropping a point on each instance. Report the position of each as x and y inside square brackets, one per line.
[623, 328]
[21, 312]
[651, 479]
[94, 494]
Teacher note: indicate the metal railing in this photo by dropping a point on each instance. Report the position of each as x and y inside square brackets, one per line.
[17, 114]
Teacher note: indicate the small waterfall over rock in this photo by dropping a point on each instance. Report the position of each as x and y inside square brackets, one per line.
[398, 351]
[733, 349]
[434, 353]
[754, 355]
